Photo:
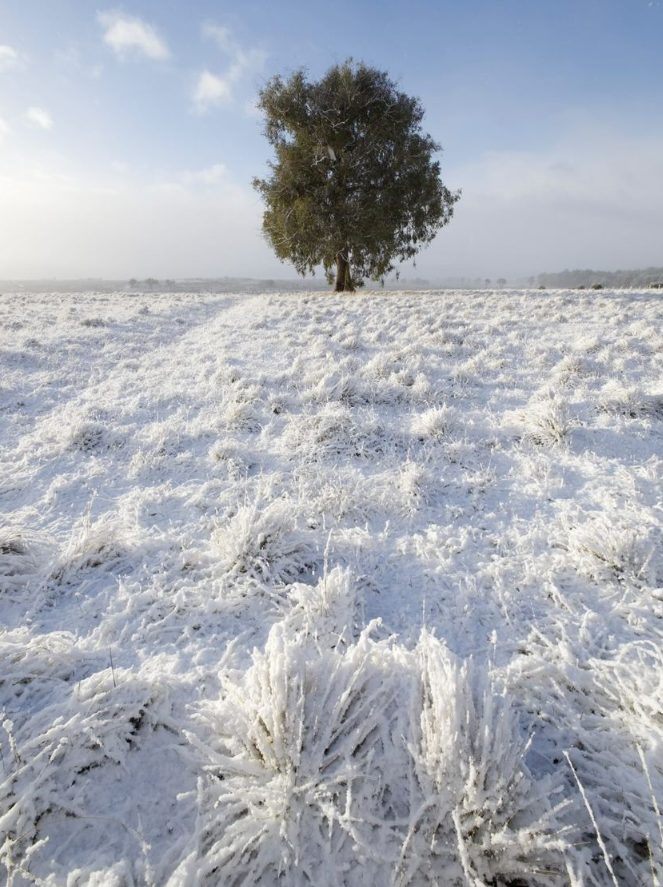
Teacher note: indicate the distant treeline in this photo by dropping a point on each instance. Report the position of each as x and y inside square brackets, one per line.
[642, 277]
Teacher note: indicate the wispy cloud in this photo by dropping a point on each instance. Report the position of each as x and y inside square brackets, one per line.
[9, 57]
[211, 175]
[212, 89]
[39, 117]
[126, 35]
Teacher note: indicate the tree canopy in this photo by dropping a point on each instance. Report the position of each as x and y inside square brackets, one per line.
[355, 185]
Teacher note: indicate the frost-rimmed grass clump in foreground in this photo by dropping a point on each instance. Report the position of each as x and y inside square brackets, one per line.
[290, 789]
[476, 814]
[368, 763]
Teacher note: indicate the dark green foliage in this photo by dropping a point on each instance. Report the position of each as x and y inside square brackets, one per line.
[354, 184]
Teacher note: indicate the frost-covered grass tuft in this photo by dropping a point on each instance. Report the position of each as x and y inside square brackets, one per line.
[434, 423]
[288, 790]
[263, 543]
[328, 611]
[631, 402]
[607, 549]
[23, 560]
[102, 544]
[546, 420]
[477, 815]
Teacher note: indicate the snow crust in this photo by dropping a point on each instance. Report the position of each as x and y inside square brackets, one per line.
[331, 590]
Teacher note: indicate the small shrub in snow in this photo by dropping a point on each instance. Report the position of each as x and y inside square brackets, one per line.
[263, 544]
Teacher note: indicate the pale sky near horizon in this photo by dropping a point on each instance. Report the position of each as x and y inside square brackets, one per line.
[129, 136]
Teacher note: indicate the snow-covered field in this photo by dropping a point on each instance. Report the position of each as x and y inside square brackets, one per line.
[319, 590]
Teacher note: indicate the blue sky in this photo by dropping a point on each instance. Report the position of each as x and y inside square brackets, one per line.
[128, 134]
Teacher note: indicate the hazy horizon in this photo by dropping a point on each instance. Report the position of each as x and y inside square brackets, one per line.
[128, 138]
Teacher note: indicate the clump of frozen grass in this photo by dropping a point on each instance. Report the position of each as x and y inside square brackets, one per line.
[107, 717]
[263, 544]
[339, 385]
[618, 398]
[605, 549]
[435, 423]
[336, 431]
[546, 421]
[241, 414]
[628, 401]
[291, 790]
[477, 815]
[103, 544]
[327, 611]
[88, 437]
[571, 368]
[228, 453]
[603, 714]
[23, 560]
[413, 486]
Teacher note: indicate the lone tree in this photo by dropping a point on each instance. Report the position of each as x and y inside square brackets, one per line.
[354, 185]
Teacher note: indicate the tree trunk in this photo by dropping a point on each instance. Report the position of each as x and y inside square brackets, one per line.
[343, 279]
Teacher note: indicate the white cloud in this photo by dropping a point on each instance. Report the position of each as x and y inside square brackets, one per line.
[212, 175]
[211, 91]
[593, 199]
[39, 117]
[127, 34]
[222, 36]
[9, 57]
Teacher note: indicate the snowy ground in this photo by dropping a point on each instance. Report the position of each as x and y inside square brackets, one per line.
[322, 590]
